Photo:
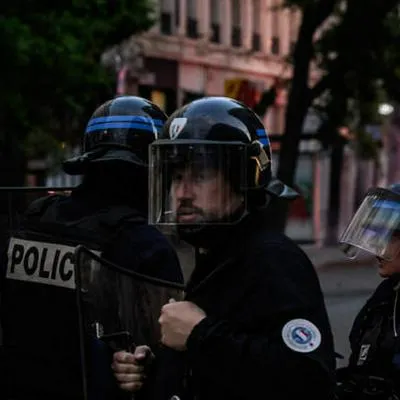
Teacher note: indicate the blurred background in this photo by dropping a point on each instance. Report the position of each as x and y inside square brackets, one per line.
[323, 75]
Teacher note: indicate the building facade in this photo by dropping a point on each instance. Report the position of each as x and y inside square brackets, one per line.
[237, 48]
[217, 47]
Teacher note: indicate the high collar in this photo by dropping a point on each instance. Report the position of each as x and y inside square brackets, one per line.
[218, 238]
[225, 243]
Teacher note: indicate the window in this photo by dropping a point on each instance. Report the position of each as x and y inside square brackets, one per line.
[166, 17]
[293, 23]
[256, 38]
[275, 27]
[215, 19]
[177, 12]
[191, 8]
[275, 45]
[236, 36]
[235, 4]
[191, 20]
[256, 42]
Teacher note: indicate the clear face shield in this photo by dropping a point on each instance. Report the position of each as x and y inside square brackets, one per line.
[197, 182]
[375, 228]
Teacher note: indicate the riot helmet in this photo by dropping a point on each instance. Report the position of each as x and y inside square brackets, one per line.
[120, 130]
[375, 227]
[212, 156]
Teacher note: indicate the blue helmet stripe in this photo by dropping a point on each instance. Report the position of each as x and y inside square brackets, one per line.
[120, 125]
[262, 135]
[125, 118]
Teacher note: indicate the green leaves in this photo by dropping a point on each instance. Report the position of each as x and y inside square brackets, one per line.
[359, 54]
[51, 75]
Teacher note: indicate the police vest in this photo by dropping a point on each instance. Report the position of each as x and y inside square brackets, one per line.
[39, 307]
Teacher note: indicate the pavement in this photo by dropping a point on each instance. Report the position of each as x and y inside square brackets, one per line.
[331, 256]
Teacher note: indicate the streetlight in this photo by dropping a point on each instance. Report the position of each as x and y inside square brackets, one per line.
[385, 109]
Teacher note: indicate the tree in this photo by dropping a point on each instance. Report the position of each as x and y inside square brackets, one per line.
[344, 52]
[51, 75]
[353, 99]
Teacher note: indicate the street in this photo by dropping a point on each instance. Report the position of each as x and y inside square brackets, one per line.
[346, 289]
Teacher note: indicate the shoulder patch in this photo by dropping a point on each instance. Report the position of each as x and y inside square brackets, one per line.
[301, 335]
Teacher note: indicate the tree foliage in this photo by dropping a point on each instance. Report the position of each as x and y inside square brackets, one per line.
[362, 66]
[51, 75]
[356, 36]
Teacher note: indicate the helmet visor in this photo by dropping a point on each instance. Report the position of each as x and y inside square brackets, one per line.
[375, 228]
[196, 182]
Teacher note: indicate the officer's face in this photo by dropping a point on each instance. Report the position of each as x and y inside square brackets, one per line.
[389, 268]
[202, 195]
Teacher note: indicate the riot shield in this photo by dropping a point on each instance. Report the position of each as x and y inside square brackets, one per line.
[118, 310]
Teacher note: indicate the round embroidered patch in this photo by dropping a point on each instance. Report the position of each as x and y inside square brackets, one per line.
[301, 335]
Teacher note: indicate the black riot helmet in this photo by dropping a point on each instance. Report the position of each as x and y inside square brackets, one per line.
[120, 130]
[375, 227]
[213, 155]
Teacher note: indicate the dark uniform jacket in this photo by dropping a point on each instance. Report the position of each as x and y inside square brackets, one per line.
[374, 363]
[41, 352]
[266, 334]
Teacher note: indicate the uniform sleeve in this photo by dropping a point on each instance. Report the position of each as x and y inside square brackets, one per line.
[286, 349]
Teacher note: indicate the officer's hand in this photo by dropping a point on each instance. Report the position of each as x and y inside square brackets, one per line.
[177, 320]
[129, 369]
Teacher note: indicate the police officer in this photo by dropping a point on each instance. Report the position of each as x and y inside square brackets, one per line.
[373, 371]
[253, 323]
[106, 213]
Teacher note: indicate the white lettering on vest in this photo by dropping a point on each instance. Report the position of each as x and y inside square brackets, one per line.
[40, 262]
